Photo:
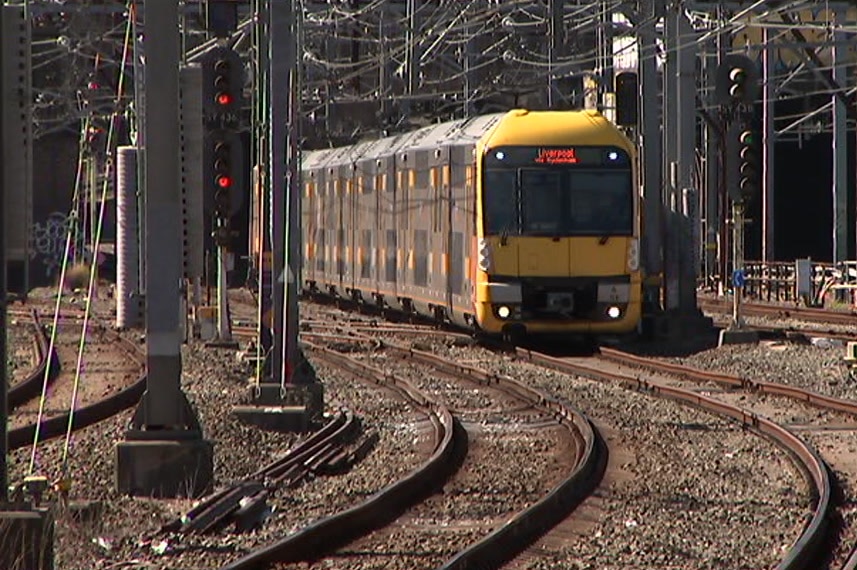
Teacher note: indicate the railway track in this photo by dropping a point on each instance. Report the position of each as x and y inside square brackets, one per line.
[816, 536]
[839, 421]
[116, 364]
[30, 386]
[845, 322]
[507, 537]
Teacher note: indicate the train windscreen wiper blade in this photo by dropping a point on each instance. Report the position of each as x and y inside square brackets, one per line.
[504, 235]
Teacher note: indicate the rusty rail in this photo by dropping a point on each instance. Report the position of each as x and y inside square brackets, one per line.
[385, 505]
[86, 416]
[31, 386]
[809, 545]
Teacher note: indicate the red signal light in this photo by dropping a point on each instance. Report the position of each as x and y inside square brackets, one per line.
[223, 181]
[223, 99]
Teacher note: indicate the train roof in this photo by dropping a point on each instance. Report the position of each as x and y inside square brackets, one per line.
[461, 132]
[515, 127]
[557, 128]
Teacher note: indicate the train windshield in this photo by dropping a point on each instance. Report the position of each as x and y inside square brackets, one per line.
[557, 200]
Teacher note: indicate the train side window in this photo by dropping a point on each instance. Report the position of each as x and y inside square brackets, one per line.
[404, 204]
[436, 199]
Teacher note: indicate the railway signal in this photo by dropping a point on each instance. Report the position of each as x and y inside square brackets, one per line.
[737, 81]
[223, 84]
[627, 96]
[749, 169]
[224, 181]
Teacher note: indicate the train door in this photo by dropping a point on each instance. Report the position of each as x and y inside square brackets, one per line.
[322, 215]
[376, 229]
[389, 233]
[449, 247]
[339, 231]
[308, 226]
[402, 227]
[351, 198]
[461, 204]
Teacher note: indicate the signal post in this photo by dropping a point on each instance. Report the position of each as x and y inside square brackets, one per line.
[224, 173]
[164, 453]
[736, 87]
[286, 395]
[26, 526]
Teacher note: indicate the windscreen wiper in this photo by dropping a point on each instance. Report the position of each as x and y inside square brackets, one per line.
[603, 239]
[504, 235]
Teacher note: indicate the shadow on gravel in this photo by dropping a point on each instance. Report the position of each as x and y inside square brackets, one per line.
[666, 347]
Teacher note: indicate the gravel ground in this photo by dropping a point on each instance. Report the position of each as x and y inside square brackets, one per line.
[484, 492]
[818, 367]
[694, 495]
[214, 380]
[691, 496]
[20, 352]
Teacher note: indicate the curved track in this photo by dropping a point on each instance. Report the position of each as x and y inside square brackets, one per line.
[503, 542]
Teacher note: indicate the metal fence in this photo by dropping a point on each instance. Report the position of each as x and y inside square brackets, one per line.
[801, 281]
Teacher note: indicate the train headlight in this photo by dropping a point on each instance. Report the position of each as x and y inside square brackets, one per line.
[503, 312]
[633, 254]
[614, 312]
[486, 262]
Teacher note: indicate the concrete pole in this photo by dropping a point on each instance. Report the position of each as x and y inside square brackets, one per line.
[285, 189]
[292, 259]
[685, 153]
[650, 145]
[412, 55]
[224, 330]
[279, 38]
[840, 138]
[672, 244]
[769, 139]
[713, 177]
[555, 42]
[163, 221]
[4, 384]
[738, 257]
[127, 243]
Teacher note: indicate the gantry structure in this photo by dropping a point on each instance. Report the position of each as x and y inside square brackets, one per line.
[369, 67]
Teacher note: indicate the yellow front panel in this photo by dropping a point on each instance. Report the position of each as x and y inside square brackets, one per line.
[589, 257]
[563, 257]
[544, 257]
[504, 257]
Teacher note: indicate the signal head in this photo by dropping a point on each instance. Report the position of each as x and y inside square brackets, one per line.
[736, 81]
[748, 138]
[223, 181]
[737, 75]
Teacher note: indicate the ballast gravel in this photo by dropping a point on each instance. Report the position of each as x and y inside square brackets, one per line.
[696, 491]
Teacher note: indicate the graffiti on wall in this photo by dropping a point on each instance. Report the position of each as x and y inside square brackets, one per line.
[47, 242]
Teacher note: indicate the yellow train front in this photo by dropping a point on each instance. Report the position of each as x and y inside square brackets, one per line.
[515, 223]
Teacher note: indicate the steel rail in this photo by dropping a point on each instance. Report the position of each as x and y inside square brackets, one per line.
[385, 505]
[85, 416]
[809, 546]
[508, 540]
[809, 314]
[219, 508]
[31, 386]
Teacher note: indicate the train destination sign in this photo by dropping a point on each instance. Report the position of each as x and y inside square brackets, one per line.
[519, 156]
[556, 156]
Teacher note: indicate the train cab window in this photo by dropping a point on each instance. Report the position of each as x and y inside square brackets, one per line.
[541, 202]
[601, 202]
[500, 202]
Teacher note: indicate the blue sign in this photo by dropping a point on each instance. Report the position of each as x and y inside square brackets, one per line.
[738, 278]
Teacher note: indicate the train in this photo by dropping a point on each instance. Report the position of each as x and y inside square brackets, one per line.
[516, 224]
